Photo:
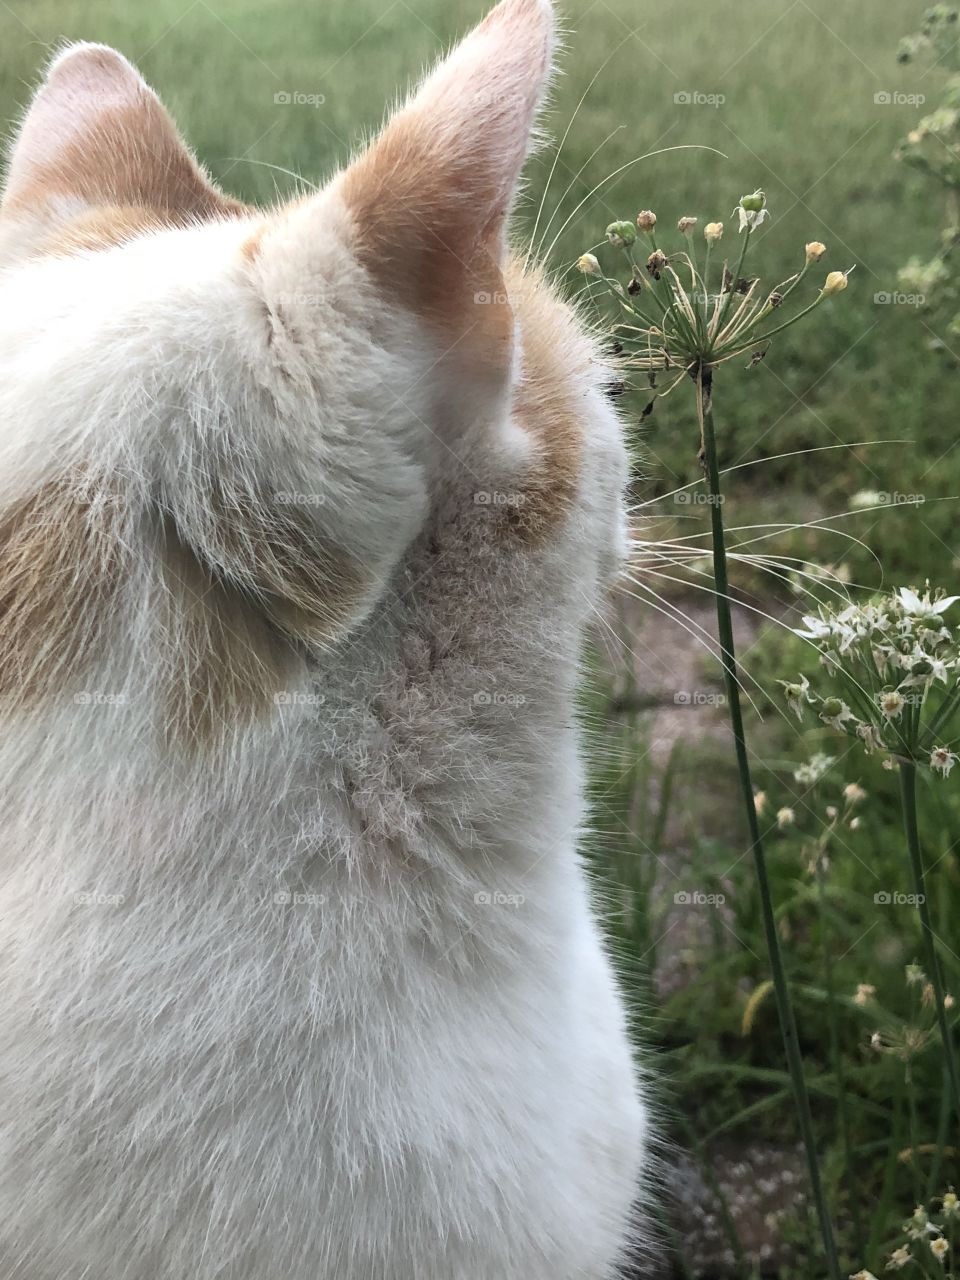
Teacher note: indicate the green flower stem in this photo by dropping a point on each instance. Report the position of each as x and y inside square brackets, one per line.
[733, 282]
[835, 1055]
[908, 792]
[793, 320]
[788, 1027]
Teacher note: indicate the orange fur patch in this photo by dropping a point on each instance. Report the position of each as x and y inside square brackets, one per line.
[59, 568]
[423, 248]
[226, 663]
[548, 404]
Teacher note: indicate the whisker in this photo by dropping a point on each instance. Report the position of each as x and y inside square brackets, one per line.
[566, 133]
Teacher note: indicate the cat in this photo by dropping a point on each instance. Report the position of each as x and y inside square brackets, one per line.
[303, 515]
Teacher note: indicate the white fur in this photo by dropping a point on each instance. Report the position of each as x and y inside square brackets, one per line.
[341, 1010]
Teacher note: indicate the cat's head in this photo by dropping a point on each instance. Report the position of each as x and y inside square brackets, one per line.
[251, 415]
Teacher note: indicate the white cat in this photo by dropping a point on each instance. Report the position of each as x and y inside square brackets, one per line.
[302, 515]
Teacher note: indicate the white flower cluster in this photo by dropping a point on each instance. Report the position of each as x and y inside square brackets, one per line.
[894, 658]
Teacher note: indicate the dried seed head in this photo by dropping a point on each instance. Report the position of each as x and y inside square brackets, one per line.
[656, 263]
[589, 265]
[815, 250]
[646, 220]
[685, 225]
[835, 282]
[712, 232]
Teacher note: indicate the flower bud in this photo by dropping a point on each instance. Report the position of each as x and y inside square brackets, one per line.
[621, 234]
[815, 251]
[685, 225]
[712, 232]
[589, 265]
[832, 707]
[646, 220]
[835, 282]
[753, 203]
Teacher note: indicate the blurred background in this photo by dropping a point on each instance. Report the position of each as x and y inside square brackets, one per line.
[845, 466]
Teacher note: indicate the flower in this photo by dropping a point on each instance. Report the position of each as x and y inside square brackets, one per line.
[942, 760]
[863, 1275]
[796, 695]
[685, 225]
[914, 975]
[589, 265]
[853, 793]
[865, 993]
[814, 251]
[810, 773]
[899, 1258]
[871, 737]
[646, 220]
[622, 234]
[917, 606]
[785, 818]
[834, 712]
[835, 282]
[753, 203]
[759, 802]
[950, 1205]
[863, 499]
[939, 1248]
[712, 232]
[892, 704]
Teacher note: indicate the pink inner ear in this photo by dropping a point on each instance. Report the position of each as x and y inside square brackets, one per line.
[97, 133]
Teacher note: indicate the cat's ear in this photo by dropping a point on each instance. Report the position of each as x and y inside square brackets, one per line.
[428, 201]
[97, 135]
[432, 195]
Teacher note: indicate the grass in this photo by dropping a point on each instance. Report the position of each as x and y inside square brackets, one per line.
[799, 118]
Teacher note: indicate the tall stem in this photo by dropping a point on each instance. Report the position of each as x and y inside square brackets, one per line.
[908, 793]
[788, 1026]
